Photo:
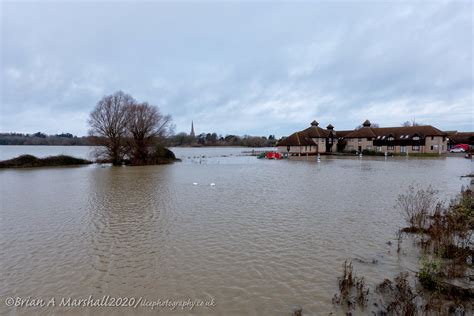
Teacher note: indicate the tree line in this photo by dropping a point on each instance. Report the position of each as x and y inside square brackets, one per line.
[175, 140]
[212, 139]
[63, 139]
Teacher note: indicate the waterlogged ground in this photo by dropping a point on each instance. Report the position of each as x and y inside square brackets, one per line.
[267, 235]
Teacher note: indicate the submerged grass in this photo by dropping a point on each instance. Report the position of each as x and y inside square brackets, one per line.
[443, 284]
[352, 289]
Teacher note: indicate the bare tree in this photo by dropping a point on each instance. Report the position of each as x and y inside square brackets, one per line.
[147, 127]
[109, 121]
[408, 123]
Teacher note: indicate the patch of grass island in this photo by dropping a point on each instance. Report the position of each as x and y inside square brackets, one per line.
[29, 161]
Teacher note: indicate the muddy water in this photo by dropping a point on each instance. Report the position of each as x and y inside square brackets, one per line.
[268, 235]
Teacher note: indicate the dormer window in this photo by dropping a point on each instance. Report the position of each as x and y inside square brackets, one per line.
[416, 137]
[390, 138]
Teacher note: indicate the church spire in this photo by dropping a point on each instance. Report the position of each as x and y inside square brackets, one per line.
[192, 130]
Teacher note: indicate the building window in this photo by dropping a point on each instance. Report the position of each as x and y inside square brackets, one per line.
[416, 148]
[416, 138]
[432, 137]
[360, 140]
[390, 138]
[379, 148]
[431, 147]
[403, 149]
[390, 147]
[369, 147]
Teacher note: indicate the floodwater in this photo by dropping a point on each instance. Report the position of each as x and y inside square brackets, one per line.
[268, 235]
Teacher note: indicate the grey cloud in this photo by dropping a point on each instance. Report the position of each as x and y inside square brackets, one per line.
[240, 68]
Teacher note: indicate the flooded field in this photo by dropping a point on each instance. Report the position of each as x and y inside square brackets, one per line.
[267, 235]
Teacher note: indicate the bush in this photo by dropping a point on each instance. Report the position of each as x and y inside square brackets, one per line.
[416, 206]
[463, 208]
[161, 155]
[162, 152]
[429, 273]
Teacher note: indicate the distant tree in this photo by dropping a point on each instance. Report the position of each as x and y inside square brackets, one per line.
[211, 138]
[253, 141]
[231, 139]
[410, 123]
[201, 139]
[109, 120]
[39, 135]
[180, 139]
[65, 135]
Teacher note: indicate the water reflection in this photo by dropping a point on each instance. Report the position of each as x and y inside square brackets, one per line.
[269, 234]
[124, 209]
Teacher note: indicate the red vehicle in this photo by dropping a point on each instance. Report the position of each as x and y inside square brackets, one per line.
[273, 155]
[458, 147]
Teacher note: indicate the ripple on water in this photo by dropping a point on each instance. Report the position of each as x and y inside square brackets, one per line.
[270, 234]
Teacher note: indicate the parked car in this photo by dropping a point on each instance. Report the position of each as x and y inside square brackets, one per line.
[463, 146]
[457, 150]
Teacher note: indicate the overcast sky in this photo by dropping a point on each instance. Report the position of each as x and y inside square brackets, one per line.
[239, 67]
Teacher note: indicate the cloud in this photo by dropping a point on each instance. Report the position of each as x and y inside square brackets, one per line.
[239, 68]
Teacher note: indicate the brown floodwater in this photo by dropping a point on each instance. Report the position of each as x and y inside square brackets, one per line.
[267, 235]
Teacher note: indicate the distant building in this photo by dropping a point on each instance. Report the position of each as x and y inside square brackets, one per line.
[406, 139]
[192, 134]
